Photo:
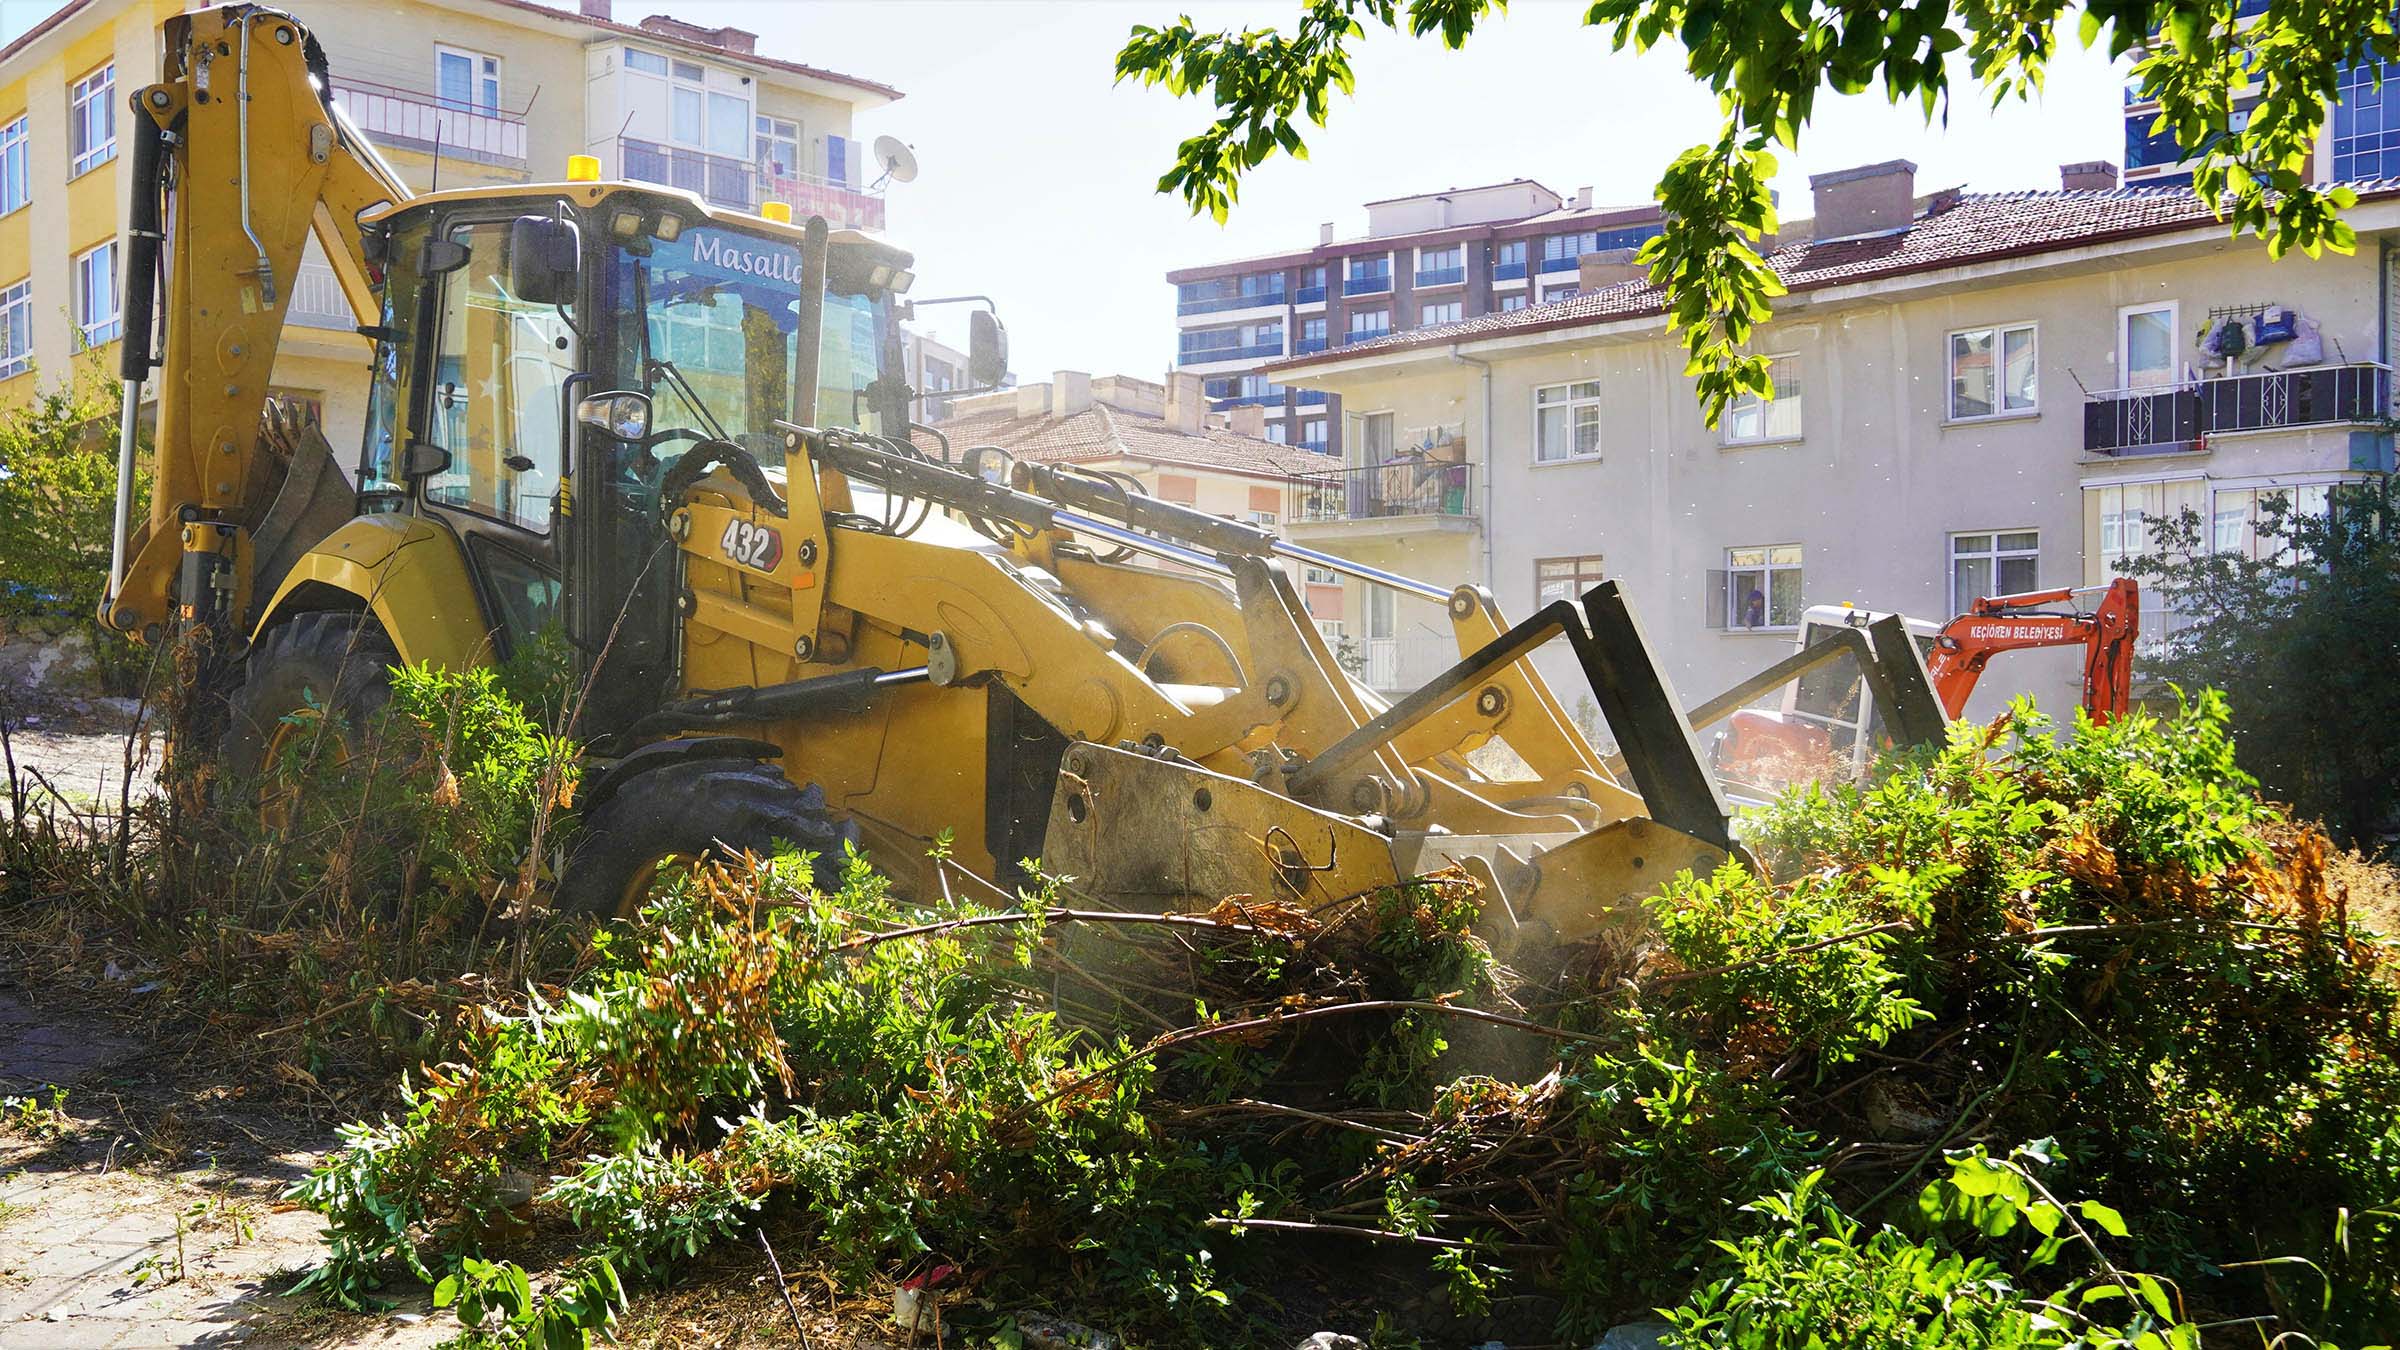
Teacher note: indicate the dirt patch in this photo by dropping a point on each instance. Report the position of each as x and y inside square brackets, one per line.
[81, 750]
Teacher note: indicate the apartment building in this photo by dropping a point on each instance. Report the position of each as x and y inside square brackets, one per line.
[2360, 138]
[1431, 259]
[1975, 393]
[1163, 437]
[454, 93]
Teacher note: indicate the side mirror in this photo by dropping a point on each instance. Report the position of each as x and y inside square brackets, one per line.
[544, 255]
[987, 350]
[987, 462]
[623, 415]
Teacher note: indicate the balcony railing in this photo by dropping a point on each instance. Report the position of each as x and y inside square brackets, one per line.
[1398, 665]
[1374, 285]
[1364, 335]
[1311, 398]
[1400, 487]
[410, 120]
[1309, 295]
[2167, 421]
[1247, 401]
[1205, 355]
[1306, 345]
[1508, 271]
[1561, 264]
[317, 300]
[1218, 304]
[742, 185]
[1442, 276]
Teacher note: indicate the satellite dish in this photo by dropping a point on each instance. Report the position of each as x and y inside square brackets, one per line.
[898, 161]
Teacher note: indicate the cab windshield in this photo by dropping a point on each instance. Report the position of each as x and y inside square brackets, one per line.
[708, 324]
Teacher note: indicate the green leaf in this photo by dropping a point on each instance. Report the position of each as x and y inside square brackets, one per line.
[2109, 1221]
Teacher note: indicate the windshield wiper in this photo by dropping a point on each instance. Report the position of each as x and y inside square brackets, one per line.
[659, 365]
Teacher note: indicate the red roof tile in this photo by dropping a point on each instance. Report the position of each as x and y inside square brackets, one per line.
[1981, 227]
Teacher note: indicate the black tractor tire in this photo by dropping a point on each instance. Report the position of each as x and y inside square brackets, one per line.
[337, 662]
[715, 808]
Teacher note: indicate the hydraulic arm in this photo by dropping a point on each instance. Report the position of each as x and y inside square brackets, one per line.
[238, 155]
[2007, 623]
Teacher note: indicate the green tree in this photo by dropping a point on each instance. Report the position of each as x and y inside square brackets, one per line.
[1768, 62]
[58, 491]
[2301, 643]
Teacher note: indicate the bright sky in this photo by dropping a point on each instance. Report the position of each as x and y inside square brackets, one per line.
[1037, 171]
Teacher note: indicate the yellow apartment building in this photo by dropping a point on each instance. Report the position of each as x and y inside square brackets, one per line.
[452, 92]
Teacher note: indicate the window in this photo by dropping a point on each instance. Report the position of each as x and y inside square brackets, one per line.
[96, 315]
[15, 187]
[1762, 587]
[1992, 372]
[1367, 323]
[92, 120]
[1449, 311]
[1566, 422]
[1262, 519]
[1566, 292]
[1374, 439]
[1367, 268]
[1749, 419]
[2236, 515]
[1514, 300]
[16, 329]
[1313, 330]
[1563, 247]
[1508, 260]
[779, 146]
[2366, 121]
[647, 63]
[1278, 433]
[500, 365]
[2146, 345]
[466, 80]
[1312, 434]
[1564, 578]
[707, 119]
[2006, 562]
[1441, 266]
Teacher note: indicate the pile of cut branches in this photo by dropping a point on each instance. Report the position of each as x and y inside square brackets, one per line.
[2037, 1041]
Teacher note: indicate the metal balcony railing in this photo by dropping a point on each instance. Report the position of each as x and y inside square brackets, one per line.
[1400, 487]
[2165, 421]
[1374, 285]
[1306, 345]
[742, 185]
[1247, 401]
[1309, 295]
[411, 120]
[1561, 264]
[1442, 276]
[1397, 665]
[1218, 304]
[1201, 356]
[1311, 398]
[1364, 335]
[1508, 271]
[317, 300]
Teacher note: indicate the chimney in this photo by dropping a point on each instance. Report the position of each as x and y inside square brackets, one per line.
[1870, 199]
[1250, 420]
[1070, 392]
[1583, 199]
[1186, 409]
[2092, 175]
[599, 11]
[1033, 400]
[1607, 267]
[1325, 233]
[727, 39]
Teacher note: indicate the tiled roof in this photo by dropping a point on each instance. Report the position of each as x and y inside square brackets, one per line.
[1980, 227]
[1101, 432]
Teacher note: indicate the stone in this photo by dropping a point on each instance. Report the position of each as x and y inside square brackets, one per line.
[1331, 1340]
[1634, 1336]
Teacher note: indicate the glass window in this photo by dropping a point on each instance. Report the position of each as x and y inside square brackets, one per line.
[2146, 346]
[92, 119]
[2239, 515]
[16, 329]
[1312, 434]
[1279, 434]
[1564, 578]
[1750, 419]
[2002, 562]
[15, 187]
[691, 115]
[469, 81]
[1312, 330]
[1370, 322]
[1447, 312]
[728, 125]
[648, 63]
[1762, 587]
[1514, 300]
[500, 365]
[1365, 267]
[1566, 292]
[1992, 371]
[689, 70]
[1510, 254]
[1559, 247]
[96, 311]
[1566, 422]
[779, 146]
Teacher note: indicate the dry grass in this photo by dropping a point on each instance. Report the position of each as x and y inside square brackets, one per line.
[2373, 889]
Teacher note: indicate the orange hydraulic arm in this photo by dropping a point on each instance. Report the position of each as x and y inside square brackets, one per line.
[238, 155]
[2007, 623]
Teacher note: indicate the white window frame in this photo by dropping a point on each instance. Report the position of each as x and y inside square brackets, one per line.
[1573, 403]
[1565, 290]
[1453, 311]
[1992, 553]
[1313, 575]
[16, 329]
[1766, 571]
[93, 96]
[772, 134]
[1514, 301]
[1458, 251]
[2251, 545]
[476, 78]
[1383, 312]
[111, 327]
[16, 182]
[1350, 264]
[1595, 573]
[1770, 413]
[2125, 313]
[2000, 408]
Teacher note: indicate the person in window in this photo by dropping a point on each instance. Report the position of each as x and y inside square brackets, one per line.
[1754, 609]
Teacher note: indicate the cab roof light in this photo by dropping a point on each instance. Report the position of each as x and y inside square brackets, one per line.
[583, 168]
[779, 212]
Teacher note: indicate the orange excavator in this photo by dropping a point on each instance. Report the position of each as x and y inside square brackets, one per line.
[1849, 691]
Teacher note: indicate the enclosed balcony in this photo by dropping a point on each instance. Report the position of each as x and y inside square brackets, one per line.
[1384, 492]
[2181, 419]
[1369, 285]
[1442, 276]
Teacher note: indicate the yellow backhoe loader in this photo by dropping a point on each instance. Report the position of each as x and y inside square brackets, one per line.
[679, 434]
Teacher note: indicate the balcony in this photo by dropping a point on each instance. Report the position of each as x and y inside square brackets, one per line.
[1211, 355]
[1274, 400]
[1400, 487]
[1442, 276]
[1218, 304]
[407, 120]
[1306, 345]
[1561, 264]
[741, 185]
[1399, 665]
[1356, 335]
[1311, 398]
[2130, 422]
[317, 300]
[1508, 271]
[1309, 295]
[1374, 285]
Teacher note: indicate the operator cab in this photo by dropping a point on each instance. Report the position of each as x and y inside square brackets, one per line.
[1825, 720]
[545, 356]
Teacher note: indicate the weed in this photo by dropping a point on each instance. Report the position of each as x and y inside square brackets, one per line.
[36, 1118]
